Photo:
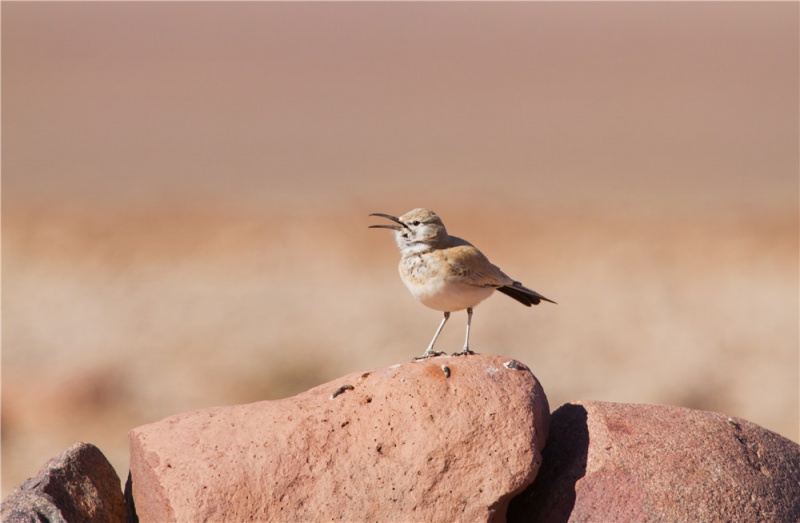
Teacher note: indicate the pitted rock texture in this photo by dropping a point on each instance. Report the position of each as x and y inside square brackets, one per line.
[403, 443]
[626, 462]
[79, 485]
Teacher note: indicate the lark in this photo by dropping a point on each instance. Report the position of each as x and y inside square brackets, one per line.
[446, 273]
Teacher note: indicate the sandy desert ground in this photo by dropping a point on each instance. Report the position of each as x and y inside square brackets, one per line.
[186, 189]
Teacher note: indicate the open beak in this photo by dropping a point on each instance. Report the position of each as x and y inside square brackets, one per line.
[390, 217]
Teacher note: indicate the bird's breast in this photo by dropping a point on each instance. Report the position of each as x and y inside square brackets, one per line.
[430, 279]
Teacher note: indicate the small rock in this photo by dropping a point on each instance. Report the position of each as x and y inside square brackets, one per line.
[624, 462]
[79, 485]
[404, 443]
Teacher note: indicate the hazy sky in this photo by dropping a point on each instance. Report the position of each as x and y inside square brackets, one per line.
[270, 103]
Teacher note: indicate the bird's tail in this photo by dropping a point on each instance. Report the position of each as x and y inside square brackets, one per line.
[523, 294]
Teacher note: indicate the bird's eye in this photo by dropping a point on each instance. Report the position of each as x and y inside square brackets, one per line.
[415, 222]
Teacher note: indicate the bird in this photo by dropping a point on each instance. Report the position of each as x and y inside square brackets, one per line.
[447, 273]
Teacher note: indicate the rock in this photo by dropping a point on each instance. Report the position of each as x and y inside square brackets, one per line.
[79, 485]
[552, 496]
[624, 462]
[404, 443]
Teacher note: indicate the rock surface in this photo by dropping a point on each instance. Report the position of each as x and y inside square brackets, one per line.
[79, 485]
[625, 462]
[411, 442]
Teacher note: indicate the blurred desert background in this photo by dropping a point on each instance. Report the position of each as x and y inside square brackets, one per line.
[185, 190]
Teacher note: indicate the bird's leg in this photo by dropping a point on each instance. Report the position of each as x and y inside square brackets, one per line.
[465, 351]
[429, 352]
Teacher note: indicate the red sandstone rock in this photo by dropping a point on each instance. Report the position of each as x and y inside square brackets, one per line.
[623, 462]
[404, 443]
[79, 485]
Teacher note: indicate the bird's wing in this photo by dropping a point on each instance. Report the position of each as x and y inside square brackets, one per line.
[469, 266]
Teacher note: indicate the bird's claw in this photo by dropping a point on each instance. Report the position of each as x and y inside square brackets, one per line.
[466, 351]
[429, 354]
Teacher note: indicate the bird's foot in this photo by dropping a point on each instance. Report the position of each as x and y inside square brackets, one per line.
[466, 351]
[429, 354]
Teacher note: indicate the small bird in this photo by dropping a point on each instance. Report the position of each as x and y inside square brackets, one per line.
[447, 273]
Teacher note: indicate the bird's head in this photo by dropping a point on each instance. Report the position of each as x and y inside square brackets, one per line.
[416, 230]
